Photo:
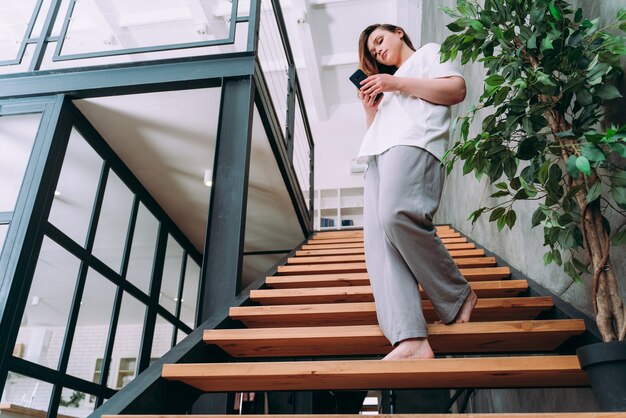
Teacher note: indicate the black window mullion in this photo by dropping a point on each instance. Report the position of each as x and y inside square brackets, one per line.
[78, 291]
[117, 304]
[155, 290]
[179, 302]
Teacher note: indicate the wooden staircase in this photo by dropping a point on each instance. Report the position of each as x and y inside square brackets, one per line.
[320, 304]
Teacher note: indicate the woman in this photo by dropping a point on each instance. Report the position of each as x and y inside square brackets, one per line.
[406, 138]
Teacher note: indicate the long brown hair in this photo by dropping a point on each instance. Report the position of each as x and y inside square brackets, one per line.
[366, 61]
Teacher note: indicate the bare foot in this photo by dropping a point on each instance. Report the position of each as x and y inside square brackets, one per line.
[411, 349]
[466, 310]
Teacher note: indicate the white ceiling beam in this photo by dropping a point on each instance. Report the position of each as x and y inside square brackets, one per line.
[311, 61]
[318, 3]
[335, 60]
[211, 25]
[105, 22]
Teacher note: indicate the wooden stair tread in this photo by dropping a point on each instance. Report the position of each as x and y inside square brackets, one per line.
[480, 372]
[360, 231]
[449, 246]
[360, 237]
[352, 258]
[490, 289]
[470, 274]
[446, 239]
[471, 262]
[302, 254]
[364, 313]
[472, 337]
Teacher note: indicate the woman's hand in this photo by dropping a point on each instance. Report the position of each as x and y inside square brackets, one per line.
[370, 105]
[379, 83]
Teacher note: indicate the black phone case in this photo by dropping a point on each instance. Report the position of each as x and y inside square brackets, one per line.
[359, 76]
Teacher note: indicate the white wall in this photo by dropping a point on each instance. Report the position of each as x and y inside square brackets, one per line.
[337, 142]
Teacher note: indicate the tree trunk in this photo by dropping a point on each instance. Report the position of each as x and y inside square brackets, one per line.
[609, 309]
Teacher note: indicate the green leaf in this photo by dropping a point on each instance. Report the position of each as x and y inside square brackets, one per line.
[622, 27]
[532, 41]
[592, 152]
[477, 25]
[607, 92]
[547, 258]
[619, 148]
[500, 193]
[476, 214]
[510, 168]
[496, 214]
[566, 239]
[594, 191]
[494, 80]
[528, 149]
[511, 217]
[450, 11]
[571, 271]
[584, 97]
[579, 15]
[502, 186]
[501, 222]
[556, 254]
[542, 174]
[580, 266]
[538, 216]
[571, 166]
[621, 14]
[619, 194]
[546, 44]
[582, 164]
[459, 25]
[554, 11]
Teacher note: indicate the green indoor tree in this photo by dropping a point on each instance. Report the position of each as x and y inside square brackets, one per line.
[549, 73]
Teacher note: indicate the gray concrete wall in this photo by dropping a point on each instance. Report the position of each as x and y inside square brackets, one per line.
[521, 247]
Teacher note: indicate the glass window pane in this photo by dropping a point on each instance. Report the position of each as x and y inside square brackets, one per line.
[127, 336]
[27, 394]
[78, 183]
[113, 222]
[126, 371]
[163, 333]
[98, 26]
[92, 328]
[171, 275]
[180, 335]
[75, 403]
[43, 325]
[17, 135]
[190, 293]
[142, 250]
[16, 16]
[3, 234]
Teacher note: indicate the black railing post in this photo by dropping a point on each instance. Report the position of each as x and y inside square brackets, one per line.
[291, 111]
[222, 261]
[223, 248]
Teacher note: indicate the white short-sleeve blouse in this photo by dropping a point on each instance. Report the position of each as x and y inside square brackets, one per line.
[403, 119]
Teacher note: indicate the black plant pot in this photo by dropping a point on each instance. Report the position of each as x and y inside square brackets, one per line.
[605, 364]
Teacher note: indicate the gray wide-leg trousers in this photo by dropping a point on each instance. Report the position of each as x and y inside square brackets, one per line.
[402, 190]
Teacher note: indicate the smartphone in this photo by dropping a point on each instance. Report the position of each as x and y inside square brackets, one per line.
[359, 76]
